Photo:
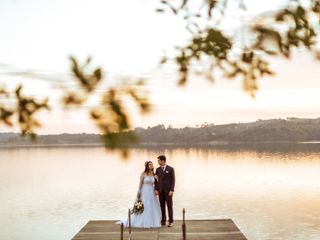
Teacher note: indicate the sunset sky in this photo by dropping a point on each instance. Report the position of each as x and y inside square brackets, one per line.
[128, 38]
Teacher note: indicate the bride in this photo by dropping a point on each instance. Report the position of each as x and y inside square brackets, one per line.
[151, 215]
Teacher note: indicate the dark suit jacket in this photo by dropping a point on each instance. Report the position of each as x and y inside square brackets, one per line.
[166, 179]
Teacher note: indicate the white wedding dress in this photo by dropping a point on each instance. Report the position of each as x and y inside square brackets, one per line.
[151, 216]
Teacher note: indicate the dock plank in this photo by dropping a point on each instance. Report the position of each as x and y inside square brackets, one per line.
[218, 229]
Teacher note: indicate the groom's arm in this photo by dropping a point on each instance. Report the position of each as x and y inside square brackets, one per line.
[156, 182]
[173, 180]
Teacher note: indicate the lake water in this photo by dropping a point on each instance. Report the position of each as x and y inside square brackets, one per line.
[270, 193]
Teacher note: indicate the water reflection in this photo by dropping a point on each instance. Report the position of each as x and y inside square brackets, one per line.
[269, 191]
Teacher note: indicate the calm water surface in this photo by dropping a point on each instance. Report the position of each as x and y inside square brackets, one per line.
[50, 193]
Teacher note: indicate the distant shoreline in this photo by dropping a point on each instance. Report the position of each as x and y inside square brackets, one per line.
[262, 132]
[36, 145]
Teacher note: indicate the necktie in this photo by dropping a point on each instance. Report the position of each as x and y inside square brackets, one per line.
[163, 168]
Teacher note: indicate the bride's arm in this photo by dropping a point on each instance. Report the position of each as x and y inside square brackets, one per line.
[140, 185]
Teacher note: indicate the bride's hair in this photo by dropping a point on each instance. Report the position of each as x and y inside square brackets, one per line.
[146, 167]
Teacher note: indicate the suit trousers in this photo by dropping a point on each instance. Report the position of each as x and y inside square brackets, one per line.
[166, 200]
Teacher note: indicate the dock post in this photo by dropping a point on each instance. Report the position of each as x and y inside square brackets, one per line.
[121, 232]
[183, 224]
[129, 218]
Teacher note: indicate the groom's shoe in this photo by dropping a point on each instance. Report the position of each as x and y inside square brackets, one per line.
[170, 225]
[163, 223]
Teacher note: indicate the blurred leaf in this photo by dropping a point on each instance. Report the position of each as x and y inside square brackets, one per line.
[87, 80]
[5, 116]
[27, 107]
[174, 10]
[143, 102]
[163, 60]
[89, 59]
[73, 99]
[184, 3]
[247, 57]
[3, 92]
[211, 5]
[98, 74]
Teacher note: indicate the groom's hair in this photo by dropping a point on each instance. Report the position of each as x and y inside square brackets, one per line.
[162, 158]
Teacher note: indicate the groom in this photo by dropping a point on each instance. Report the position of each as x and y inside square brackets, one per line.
[164, 187]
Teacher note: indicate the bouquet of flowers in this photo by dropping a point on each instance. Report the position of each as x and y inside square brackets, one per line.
[138, 207]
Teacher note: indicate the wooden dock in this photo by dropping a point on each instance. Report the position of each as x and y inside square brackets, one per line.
[219, 229]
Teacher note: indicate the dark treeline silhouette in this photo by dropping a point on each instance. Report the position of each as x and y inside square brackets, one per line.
[275, 130]
[260, 131]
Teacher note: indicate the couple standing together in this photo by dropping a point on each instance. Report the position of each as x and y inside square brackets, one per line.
[155, 191]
